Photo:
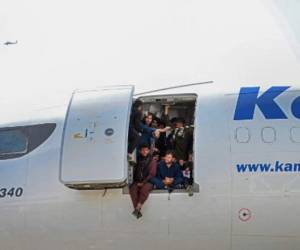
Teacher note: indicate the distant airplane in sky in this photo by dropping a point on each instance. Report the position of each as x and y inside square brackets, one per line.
[10, 43]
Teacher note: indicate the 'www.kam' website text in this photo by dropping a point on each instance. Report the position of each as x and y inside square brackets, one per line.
[277, 167]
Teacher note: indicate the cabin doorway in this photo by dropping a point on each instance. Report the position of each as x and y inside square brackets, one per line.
[167, 111]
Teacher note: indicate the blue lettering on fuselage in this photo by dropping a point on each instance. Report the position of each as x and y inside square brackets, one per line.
[248, 99]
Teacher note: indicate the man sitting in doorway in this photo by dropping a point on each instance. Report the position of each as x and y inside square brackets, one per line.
[144, 170]
[169, 174]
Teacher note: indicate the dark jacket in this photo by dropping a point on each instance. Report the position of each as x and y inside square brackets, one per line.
[183, 142]
[162, 144]
[179, 140]
[145, 169]
[173, 171]
[135, 121]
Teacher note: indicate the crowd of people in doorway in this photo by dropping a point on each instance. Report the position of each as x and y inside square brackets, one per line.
[163, 156]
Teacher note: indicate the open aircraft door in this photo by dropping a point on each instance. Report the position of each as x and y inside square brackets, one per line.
[95, 137]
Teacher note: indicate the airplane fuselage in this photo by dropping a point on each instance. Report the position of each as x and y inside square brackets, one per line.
[248, 195]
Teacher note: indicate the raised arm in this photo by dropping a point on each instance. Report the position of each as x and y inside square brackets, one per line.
[165, 116]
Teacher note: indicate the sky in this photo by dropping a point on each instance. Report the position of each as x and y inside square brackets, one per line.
[70, 44]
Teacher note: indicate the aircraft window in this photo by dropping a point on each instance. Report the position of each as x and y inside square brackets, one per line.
[21, 140]
[242, 135]
[295, 134]
[268, 135]
[13, 142]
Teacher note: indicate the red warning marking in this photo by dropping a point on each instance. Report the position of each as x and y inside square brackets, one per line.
[245, 214]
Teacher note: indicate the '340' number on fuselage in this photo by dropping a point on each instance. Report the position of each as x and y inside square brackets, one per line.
[11, 192]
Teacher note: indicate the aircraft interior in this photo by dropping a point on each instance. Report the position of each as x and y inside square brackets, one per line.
[179, 106]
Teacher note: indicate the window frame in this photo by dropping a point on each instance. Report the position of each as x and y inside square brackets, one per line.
[36, 135]
[195, 186]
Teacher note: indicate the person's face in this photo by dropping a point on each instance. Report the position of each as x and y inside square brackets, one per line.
[144, 152]
[179, 125]
[148, 119]
[140, 108]
[168, 159]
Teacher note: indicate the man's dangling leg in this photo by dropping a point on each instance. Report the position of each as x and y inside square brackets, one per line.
[134, 194]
